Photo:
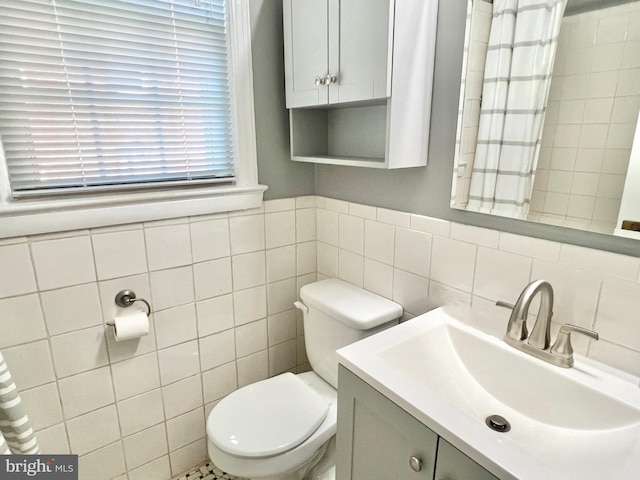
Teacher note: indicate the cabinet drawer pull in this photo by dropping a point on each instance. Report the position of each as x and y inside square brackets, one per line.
[415, 463]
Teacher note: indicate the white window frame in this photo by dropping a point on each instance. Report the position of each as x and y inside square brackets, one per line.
[28, 217]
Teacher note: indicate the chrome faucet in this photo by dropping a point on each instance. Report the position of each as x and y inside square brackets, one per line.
[537, 343]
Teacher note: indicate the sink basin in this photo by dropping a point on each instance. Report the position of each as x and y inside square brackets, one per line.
[479, 373]
[582, 422]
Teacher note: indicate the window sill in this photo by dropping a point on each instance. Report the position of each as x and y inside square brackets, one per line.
[48, 216]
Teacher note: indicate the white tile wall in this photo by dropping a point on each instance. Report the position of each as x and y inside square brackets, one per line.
[225, 318]
[592, 113]
[222, 289]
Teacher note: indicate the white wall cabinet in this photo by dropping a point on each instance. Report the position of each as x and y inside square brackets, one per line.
[358, 77]
[377, 440]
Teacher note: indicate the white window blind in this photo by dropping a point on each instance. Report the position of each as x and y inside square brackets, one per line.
[104, 94]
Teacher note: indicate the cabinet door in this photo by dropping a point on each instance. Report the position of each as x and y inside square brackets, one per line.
[360, 43]
[376, 439]
[455, 465]
[306, 51]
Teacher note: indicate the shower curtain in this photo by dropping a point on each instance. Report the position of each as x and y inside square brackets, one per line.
[16, 434]
[522, 47]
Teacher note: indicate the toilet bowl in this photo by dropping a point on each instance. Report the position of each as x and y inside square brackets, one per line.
[283, 428]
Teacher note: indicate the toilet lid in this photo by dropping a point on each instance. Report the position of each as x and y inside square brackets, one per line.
[267, 418]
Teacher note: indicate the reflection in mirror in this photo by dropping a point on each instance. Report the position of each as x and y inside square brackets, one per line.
[549, 104]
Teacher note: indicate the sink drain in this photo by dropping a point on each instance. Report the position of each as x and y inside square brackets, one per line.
[498, 423]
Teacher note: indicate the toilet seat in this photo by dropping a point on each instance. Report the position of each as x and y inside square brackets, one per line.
[267, 418]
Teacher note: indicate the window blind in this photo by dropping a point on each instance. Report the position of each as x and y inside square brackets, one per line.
[103, 94]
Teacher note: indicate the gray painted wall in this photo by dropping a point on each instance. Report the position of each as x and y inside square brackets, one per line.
[275, 169]
[424, 191]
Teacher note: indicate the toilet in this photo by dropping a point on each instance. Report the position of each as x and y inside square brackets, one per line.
[283, 428]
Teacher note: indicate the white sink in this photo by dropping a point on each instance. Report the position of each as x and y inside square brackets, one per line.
[582, 422]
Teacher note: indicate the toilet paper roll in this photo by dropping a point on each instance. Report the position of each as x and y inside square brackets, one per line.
[130, 326]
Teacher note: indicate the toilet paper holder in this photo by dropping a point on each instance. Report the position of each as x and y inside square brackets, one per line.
[126, 298]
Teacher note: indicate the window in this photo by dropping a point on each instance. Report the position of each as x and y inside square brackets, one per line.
[107, 95]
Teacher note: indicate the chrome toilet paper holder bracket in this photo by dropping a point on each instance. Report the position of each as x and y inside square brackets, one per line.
[126, 298]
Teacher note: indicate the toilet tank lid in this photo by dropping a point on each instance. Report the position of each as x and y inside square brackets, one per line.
[353, 306]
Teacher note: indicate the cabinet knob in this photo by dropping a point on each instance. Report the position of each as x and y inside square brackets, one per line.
[321, 81]
[415, 463]
[328, 80]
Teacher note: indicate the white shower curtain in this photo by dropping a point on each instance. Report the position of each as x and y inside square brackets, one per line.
[522, 47]
[16, 434]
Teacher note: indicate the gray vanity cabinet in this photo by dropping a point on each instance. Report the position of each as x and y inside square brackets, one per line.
[377, 440]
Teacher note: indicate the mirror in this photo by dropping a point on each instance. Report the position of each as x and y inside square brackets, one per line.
[548, 128]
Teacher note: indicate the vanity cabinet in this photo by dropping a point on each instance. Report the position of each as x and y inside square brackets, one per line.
[358, 77]
[377, 440]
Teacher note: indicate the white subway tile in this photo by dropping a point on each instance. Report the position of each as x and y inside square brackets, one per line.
[182, 396]
[253, 368]
[327, 227]
[21, 320]
[63, 262]
[247, 233]
[281, 327]
[248, 270]
[210, 239]
[280, 297]
[79, 351]
[213, 278]
[327, 260]
[145, 446]
[279, 205]
[335, 205]
[170, 288]
[393, 217]
[411, 291]
[219, 382]
[85, 392]
[251, 338]
[63, 316]
[119, 254]
[379, 241]
[351, 267]
[42, 404]
[363, 211]
[282, 357]
[280, 229]
[136, 375]
[215, 315]
[378, 278]
[104, 464]
[441, 295]
[158, 468]
[140, 412]
[477, 235]
[250, 305]
[436, 226]
[281, 263]
[175, 325]
[53, 440]
[22, 280]
[306, 201]
[30, 364]
[501, 275]
[531, 247]
[413, 251]
[305, 225]
[217, 349]
[305, 258]
[178, 362]
[453, 263]
[93, 430]
[186, 429]
[351, 234]
[617, 320]
[598, 261]
[185, 458]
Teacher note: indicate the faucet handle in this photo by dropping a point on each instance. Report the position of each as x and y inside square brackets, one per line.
[562, 347]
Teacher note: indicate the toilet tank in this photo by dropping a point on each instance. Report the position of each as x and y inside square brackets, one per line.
[336, 314]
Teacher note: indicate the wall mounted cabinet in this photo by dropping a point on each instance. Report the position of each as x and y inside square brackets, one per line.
[358, 77]
[377, 440]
